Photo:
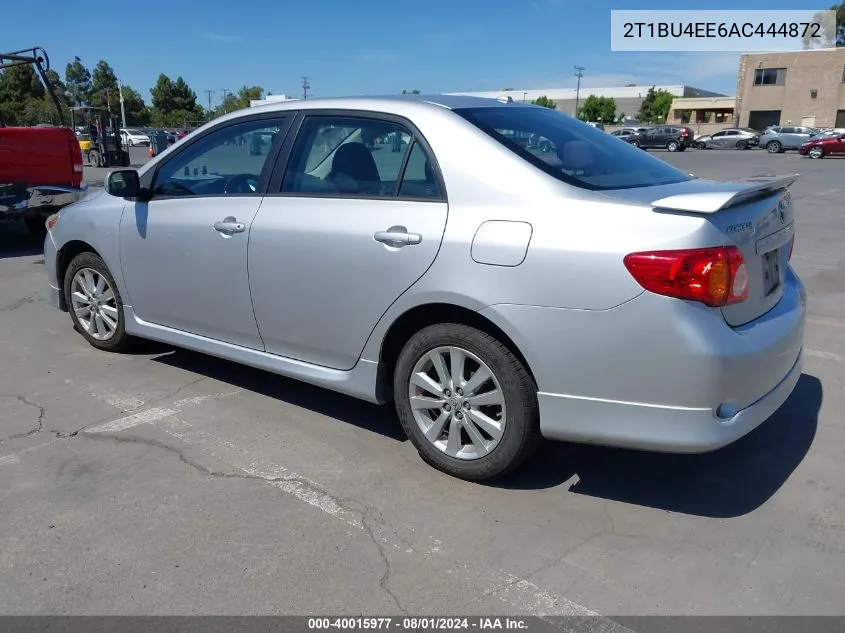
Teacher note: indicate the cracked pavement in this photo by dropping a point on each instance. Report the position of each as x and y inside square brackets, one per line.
[166, 482]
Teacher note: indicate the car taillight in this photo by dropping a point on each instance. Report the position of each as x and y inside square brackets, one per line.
[714, 276]
[684, 133]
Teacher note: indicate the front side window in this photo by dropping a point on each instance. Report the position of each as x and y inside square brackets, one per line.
[227, 161]
[575, 153]
[347, 156]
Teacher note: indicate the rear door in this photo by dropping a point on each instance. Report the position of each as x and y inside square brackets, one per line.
[718, 140]
[347, 227]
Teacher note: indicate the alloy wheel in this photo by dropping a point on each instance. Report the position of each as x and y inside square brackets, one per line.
[94, 304]
[457, 402]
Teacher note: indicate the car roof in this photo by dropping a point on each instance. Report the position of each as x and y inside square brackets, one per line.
[377, 102]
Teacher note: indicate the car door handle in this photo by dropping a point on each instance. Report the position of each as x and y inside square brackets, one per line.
[229, 225]
[397, 236]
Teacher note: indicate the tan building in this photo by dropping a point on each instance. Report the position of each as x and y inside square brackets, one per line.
[800, 88]
[703, 110]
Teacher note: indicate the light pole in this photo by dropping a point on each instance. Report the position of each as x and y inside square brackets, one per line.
[524, 94]
[122, 107]
[579, 72]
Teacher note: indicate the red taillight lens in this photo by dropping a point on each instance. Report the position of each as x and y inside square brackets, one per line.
[684, 133]
[714, 276]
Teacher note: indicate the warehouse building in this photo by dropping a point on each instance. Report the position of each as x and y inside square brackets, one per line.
[628, 98]
[804, 88]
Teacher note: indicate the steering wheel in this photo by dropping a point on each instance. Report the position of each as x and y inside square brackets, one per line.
[242, 183]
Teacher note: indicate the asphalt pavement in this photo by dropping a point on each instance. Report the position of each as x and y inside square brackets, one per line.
[167, 482]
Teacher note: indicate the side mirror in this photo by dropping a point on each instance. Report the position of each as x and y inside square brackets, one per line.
[124, 183]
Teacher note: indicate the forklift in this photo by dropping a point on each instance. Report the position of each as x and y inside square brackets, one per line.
[103, 129]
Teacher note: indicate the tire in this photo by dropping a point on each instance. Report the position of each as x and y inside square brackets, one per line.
[701, 146]
[816, 152]
[673, 146]
[518, 406]
[742, 144]
[545, 147]
[635, 143]
[130, 142]
[94, 158]
[774, 147]
[117, 340]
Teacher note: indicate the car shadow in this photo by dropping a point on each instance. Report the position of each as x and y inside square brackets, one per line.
[365, 415]
[726, 483]
[17, 241]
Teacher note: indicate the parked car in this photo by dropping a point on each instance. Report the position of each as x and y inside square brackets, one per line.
[134, 137]
[671, 137]
[592, 294]
[821, 146]
[729, 138]
[625, 133]
[780, 138]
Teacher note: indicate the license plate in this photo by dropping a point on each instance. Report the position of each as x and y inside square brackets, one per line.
[771, 272]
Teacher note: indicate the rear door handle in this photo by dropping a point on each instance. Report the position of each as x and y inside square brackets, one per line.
[229, 225]
[397, 236]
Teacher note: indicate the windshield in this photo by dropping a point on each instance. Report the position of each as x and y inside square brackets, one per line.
[135, 132]
[571, 151]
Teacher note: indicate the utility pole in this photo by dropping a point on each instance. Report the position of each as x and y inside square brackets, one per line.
[122, 108]
[579, 72]
[225, 92]
[305, 87]
[209, 93]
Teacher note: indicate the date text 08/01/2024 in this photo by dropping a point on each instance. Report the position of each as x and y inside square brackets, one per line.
[811, 30]
[417, 623]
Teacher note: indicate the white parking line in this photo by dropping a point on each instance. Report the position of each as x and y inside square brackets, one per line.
[826, 355]
[154, 414]
[14, 458]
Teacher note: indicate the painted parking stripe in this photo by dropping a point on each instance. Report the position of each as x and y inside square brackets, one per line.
[154, 414]
[816, 353]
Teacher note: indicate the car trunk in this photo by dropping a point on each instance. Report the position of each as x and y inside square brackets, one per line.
[754, 214]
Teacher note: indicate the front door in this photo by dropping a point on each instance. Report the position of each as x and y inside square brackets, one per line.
[358, 219]
[184, 252]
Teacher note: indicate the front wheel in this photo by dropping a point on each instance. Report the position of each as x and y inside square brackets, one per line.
[742, 144]
[94, 303]
[635, 143]
[466, 402]
[774, 147]
[700, 145]
[816, 152]
[94, 158]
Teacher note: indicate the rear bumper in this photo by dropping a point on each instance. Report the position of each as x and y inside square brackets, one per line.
[657, 373]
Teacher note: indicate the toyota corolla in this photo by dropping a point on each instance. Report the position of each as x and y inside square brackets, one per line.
[495, 292]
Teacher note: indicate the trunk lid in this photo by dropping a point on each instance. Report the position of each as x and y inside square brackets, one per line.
[754, 214]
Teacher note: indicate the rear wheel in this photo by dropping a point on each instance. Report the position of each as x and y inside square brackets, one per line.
[816, 152]
[94, 303]
[774, 147]
[673, 146]
[466, 402]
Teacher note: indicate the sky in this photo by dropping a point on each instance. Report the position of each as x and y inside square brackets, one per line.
[349, 47]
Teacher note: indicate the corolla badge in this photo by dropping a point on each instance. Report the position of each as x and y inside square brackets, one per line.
[740, 228]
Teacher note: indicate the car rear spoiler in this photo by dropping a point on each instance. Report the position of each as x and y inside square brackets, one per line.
[60, 188]
[728, 194]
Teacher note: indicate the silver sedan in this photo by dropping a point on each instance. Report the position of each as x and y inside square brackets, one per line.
[420, 250]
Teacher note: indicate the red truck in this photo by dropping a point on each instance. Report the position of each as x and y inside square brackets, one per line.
[40, 167]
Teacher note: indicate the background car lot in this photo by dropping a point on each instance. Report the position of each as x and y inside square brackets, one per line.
[200, 486]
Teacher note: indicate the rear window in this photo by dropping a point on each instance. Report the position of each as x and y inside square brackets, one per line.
[569, 150]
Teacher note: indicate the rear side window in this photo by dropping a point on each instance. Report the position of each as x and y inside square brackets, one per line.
[569, 150]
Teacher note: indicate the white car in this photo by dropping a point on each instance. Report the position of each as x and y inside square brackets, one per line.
[134, 137]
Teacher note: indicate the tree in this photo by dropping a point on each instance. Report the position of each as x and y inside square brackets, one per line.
[104, 92]
[832, 22]
[162, 94]
[22, 97]
[662, 105]
[598, 109]
[78, 81]
[655, 106]
[545, 102]
[137, 112]
[174, 103]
